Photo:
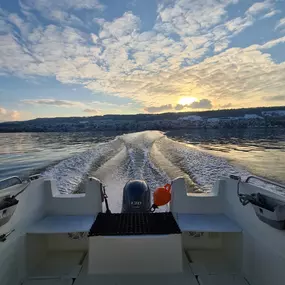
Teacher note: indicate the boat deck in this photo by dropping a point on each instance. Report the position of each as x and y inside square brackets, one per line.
[199, 268]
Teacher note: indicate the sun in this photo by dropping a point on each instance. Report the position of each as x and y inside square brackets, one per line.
[186, 100]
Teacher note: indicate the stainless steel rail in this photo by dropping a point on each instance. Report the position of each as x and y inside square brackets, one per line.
[12, 177]
[10, 181]
[265, 181]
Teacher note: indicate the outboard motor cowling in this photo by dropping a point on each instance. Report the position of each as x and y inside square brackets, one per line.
[136, 197]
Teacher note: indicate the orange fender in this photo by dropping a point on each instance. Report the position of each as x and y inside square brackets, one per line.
[162, 195]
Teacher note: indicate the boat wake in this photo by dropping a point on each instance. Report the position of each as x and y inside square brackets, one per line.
[150, 156]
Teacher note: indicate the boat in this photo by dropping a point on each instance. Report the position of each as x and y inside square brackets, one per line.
[233, 235]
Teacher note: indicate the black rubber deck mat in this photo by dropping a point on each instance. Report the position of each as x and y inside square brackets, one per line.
[134, 224]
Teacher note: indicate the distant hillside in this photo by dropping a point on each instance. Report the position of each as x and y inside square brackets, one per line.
[246, 117]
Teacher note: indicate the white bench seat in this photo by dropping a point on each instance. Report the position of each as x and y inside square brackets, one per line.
[206, 223]
[62, 224]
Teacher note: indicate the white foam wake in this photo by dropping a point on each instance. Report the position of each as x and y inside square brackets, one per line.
[70, 172]
[203, 168]
[146, 155]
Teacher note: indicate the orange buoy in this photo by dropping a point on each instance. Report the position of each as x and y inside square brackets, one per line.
[162, 195]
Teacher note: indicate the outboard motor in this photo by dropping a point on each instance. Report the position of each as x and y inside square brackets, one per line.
[136, 197]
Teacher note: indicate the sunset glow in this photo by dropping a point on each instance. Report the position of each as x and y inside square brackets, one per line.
[186, 100]
[96, 57]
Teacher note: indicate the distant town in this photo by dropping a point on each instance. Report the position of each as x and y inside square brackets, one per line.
[233, 118]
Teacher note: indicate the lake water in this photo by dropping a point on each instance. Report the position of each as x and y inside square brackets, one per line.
[201, 156]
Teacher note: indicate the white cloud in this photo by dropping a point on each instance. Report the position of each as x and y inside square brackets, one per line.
[237, 25]
[190, 17]
[3, 111]
[86, 108]
[60, 11]
[280, 24]
[65, 18]
[219, 46]
[259, 7]
[150, 66]
[271, 14]
[50, 5]
[239, 73]
[269, 44]
[53, 102]
[20, 24]
[3, 26]
[9, 115]
[92, 111]
[123, 26]
[100, 103]
[278, 98]
[64, 52]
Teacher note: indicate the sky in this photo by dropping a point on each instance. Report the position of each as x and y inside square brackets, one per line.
[96, 57]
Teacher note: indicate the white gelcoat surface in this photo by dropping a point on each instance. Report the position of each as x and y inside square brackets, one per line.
[62, 224]
[145, 254]
[257, 252]
[206, 223]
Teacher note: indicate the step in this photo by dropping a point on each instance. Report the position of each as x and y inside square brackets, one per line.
[48, 282]
[226, 279]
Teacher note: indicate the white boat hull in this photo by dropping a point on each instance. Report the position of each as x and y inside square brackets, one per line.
[222, 242]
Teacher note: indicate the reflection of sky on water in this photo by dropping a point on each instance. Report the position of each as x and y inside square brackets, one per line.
[27, 152]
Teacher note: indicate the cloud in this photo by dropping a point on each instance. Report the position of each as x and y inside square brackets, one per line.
[53, 102]
[237, 25]
[268, 45]
[3, 111]
[89, 110]
[53, 47]
[64, 18]
[159, 65]
[259, 7]
[19, 23]
[9, 115]
[50, 5]
[122, 61]
[219, 46]
[280, 24]
[271, 14]
[225, 106]
[189, 17]
[200, 104]
[122, 26]
[275, 98]
[3, 26]
[63, 104]
[180, 107]
[60, 11]
[15, 115]
[103, 103]
[158, 109]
